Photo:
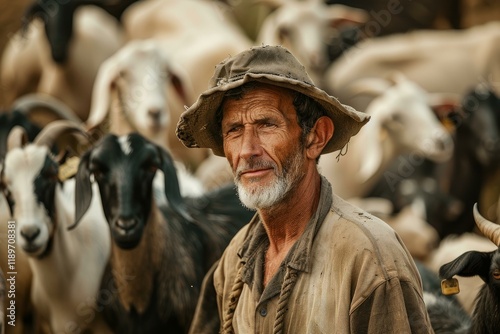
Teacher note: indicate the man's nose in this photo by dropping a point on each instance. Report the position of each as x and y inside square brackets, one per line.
[250, 144]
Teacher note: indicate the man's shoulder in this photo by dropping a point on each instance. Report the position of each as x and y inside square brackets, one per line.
[348, 227]
[353, 216]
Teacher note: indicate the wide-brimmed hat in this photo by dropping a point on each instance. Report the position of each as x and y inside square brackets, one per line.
[273, 65]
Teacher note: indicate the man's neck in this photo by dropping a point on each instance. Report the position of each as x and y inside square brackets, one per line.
[286, 222]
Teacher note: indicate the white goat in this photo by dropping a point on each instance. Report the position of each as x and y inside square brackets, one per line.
[304, 27]
[139, 89]
[439, 61]
[27, 65]
[402, 122]
[67, 266]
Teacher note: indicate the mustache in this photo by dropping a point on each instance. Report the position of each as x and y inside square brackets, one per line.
[252, 164]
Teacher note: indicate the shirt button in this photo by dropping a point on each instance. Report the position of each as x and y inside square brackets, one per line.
[263, 312]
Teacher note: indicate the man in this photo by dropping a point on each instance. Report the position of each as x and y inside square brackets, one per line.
[308, 262]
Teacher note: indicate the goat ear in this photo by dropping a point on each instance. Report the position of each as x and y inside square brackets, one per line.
[17, 137]
[101, 93]
[181, 83]
[172, 189]
[83, 189]
[467, 265]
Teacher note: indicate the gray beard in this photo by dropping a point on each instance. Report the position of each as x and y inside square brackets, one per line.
[266, 196]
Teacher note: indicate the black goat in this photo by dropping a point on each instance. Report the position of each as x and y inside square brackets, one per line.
[58, 20]
[162, 247]
[486, 265]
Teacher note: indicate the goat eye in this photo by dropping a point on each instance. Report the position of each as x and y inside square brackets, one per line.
[397, 118]
[50, 172]
[97, 172]
[496, 274]
[151, 168]
[283, 33]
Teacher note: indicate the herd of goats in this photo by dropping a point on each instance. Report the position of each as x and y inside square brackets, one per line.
[108, 223]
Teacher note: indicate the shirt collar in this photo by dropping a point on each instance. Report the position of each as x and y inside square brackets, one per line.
[299, 256]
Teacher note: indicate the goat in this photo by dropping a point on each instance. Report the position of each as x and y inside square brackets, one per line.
[304, 27]
[486, 265]
[475, 132]
[162, 249]
[66, 266]
[31, 112]
[140, 89]
[402, 122]
[476, 155]
[27, 65]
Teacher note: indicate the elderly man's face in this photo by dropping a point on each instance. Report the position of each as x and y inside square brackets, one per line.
[262, 142]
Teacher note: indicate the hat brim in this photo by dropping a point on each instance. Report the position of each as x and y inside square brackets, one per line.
[197, 126]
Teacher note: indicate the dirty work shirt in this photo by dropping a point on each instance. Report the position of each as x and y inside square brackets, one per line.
[350, 273]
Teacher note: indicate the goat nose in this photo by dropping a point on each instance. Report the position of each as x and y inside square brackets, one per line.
[126, 224]
[30, 232]
[154, 113]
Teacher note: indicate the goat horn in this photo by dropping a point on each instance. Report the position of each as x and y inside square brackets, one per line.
[488, 228]
[55, 129]
[28, 102]
[17, 138]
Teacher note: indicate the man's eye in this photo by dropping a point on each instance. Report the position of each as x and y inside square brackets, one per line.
[268, 125]
[233, 129]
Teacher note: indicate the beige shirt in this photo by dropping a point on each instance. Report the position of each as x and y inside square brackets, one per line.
[353, 275]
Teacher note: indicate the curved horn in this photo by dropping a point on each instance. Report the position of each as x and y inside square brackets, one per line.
[55, 129]
[28, 102]
[488, 228]
[17, 138]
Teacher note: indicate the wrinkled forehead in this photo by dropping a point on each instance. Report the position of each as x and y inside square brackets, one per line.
[258, 97]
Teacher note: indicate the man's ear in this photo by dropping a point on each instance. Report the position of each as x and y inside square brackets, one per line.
[319, 136]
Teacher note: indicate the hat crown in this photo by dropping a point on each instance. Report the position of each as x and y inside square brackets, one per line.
[269, 60]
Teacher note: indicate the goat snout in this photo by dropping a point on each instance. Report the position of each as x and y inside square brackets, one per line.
[126, 225]
[33, 239]
[154, 114]
[442, 148]
[127, 232]
[30, 232]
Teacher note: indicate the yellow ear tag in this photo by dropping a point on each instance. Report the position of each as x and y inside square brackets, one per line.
[450, 286]
[69, 168]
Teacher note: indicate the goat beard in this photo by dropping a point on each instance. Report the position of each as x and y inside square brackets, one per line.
[260, 196]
